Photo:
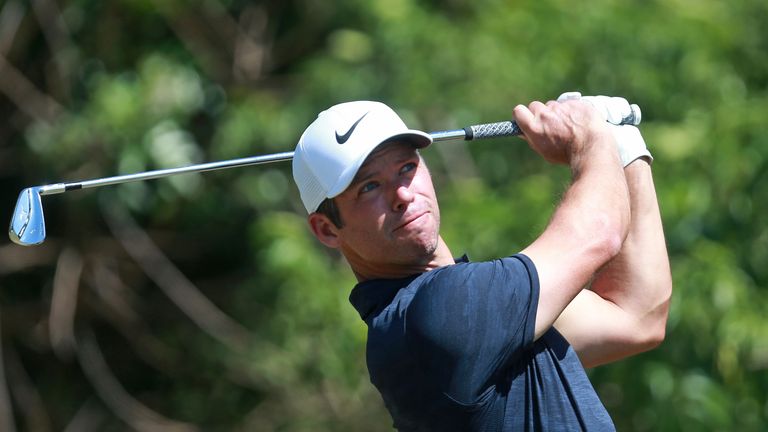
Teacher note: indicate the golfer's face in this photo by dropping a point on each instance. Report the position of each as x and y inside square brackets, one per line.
[390, 211]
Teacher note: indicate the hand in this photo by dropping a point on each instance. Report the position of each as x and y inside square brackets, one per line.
[631, 144]
[613, 109]
[561, 131]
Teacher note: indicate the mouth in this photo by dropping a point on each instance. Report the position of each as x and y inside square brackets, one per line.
[409, 220]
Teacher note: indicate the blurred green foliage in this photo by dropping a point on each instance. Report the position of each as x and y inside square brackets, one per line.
[239, 319]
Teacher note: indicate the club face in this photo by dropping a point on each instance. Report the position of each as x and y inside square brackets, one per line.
[28, 224]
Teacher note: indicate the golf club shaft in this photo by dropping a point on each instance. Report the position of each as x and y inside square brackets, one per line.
[474, 132]
[57, 188]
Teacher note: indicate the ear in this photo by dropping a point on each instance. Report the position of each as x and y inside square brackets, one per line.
[324, 230]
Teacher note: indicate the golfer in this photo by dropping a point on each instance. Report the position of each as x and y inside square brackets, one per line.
[500, 345]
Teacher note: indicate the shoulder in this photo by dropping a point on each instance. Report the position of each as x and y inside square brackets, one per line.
[469, 321]
[497, 270]
[470, 299]
[445, 283]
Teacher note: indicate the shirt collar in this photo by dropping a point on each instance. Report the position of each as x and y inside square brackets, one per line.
[373, 295]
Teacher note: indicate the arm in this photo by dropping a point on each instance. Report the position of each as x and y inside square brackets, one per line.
[625, 312]
[589, 225]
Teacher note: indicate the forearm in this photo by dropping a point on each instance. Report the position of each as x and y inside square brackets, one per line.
[591, 222]
[595, 208]
[586, 230]
[638, 279]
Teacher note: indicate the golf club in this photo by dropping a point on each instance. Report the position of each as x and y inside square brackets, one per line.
[27, 226]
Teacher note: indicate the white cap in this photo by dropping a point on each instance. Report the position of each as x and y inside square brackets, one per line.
[336, 144]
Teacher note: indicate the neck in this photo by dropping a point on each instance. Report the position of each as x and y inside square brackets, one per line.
[366, 271]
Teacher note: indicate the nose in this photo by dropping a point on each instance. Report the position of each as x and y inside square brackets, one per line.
[402, 196]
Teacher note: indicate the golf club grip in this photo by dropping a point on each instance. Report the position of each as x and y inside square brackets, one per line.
[511, 128]
[492, 130]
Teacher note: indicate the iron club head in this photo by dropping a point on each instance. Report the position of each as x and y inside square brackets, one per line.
[28, 224]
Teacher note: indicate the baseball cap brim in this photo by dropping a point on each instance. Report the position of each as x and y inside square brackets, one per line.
[417, 138]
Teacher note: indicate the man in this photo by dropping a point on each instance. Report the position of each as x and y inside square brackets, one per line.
[498, 345]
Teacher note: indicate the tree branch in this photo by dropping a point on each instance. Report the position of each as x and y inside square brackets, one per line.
[89, 418]
[25, 96]
[7, 422]
[172, 281]
[61, 322]
[117, 308]
[10, 20]
[14, 258]
[27, 398]
[55, 31]
[109, 389]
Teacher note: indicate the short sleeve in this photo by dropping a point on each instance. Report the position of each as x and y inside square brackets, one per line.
[469, 322]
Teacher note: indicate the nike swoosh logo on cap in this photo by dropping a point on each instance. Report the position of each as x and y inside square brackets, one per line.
[341, 139]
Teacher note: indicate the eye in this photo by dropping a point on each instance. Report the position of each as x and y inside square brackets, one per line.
[408, 167]
[368, 187]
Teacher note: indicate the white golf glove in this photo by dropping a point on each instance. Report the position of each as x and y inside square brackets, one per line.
[631, 144]
[614, 109]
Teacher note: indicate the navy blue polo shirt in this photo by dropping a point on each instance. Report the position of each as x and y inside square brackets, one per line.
[452, 349]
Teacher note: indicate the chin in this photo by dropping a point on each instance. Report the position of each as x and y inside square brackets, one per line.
[425, 251]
